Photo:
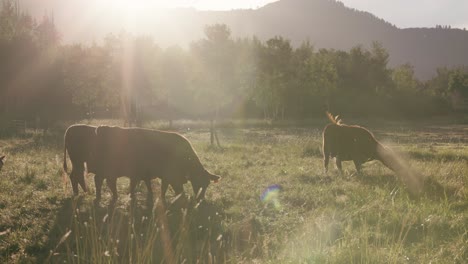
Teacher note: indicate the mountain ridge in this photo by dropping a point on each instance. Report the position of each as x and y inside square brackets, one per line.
[325, 23]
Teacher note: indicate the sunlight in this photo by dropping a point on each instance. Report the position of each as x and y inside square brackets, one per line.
[139, 7]
[136, 7]
[143, 16]
[137, 16]
[131, 6]
[130, 10]
[225, 5]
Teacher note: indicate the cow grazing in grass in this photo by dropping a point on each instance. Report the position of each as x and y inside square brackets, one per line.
[1, 161]
[346, 143]
[79, 142]
[144, 154]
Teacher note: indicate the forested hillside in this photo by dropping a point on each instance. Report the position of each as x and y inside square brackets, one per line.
[325, 23]
[216, 76]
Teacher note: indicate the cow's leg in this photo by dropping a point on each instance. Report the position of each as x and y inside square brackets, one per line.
[133, 184]
[82, 182]
[77, 176]
[338, 164]
[164, 185]
[98, 179]
[326, 159]
[81, 176]
[358, 166]
[74, 181]
[180, 198]
[326, 154]
[149, 197]
[112, 184]
[178, 189]
[201, 194]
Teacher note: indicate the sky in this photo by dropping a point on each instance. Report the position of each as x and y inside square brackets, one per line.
[219, 4]
[416, 13]
[402, 13]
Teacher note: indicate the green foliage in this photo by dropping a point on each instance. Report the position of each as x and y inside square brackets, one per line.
[217, 76]
[274, 77]
[458, 82]
[13, 23]
[450, 86]
[404, 80]
[30, 76]
[215, 56]
[87, 71]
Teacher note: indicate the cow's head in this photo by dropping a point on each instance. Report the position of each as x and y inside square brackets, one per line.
[200, 184]
[1, 161]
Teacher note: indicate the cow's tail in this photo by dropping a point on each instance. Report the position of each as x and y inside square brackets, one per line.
[334, 119]
[326, 147]
[65, 168]
[325, 144]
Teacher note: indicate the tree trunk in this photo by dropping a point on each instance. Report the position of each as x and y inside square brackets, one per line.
[217, 139]
[276, 113]
[212, 131]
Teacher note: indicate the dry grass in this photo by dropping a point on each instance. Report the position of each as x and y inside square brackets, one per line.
[311, 218]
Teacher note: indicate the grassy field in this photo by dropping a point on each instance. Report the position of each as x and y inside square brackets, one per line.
[274, 204]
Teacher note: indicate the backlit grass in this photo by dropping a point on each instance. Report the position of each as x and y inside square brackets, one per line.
[315, 218]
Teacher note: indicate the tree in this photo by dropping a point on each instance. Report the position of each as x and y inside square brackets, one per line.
[438, 86]
[275, 76]
[358, 71]
[17, 51]
[458, 82]
[15, 24]
[458, 88]
[173, 92]
[214, 82]
[31, 79]
[325, 77]
[86, 71]
[133, 73]
[404, 80]
[303, 90]
[47, 34]
[379, 75]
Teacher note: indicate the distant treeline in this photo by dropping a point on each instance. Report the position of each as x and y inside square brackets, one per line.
[217, 76]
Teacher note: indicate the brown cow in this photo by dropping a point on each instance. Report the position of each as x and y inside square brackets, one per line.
[355, 143]
[144, 154]
[1, 161]
[79, 141]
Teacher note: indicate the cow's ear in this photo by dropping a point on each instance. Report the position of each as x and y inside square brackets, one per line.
[214, 178]
[2, 157]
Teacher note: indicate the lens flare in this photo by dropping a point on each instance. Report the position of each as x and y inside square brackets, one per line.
[271, 196]
[412, 179]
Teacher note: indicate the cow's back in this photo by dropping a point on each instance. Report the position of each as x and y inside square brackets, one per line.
[113, 151]
[138, 152]
[349, 142]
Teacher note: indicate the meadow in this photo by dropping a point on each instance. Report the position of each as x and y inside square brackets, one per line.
[274, 203]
